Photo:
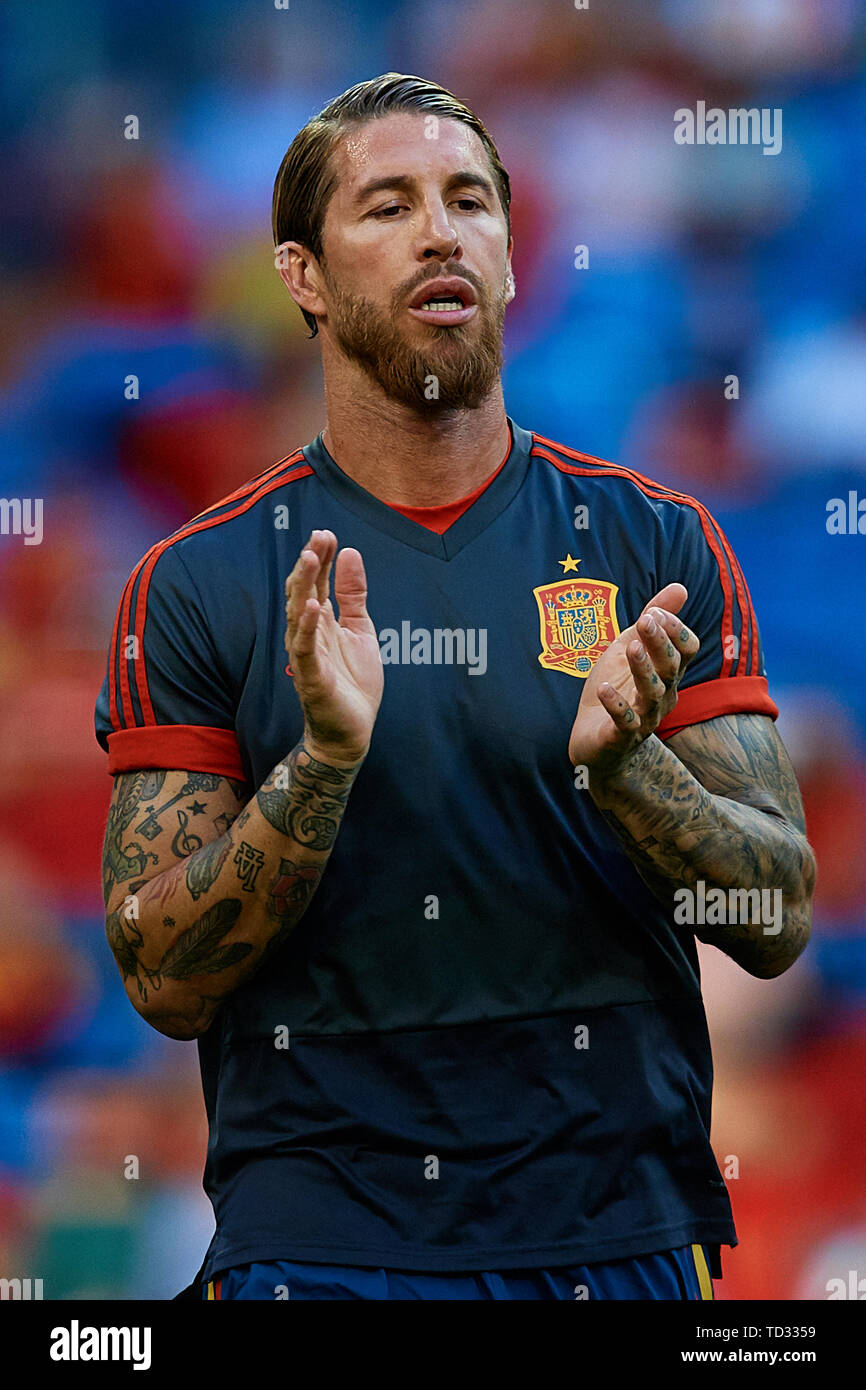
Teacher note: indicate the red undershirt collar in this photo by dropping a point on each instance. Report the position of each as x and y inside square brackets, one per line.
[439, 518]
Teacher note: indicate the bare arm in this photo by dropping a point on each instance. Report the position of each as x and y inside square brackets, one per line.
[720, 804]
[200, 886]
[716, 810]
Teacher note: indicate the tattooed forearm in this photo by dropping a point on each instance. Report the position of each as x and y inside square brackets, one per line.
[202, 869]
[188, 921]
[248, 860]
[124, 856]
[719, 809]
[126, 853]
[289, 893]
[305, 799]
[199, 950]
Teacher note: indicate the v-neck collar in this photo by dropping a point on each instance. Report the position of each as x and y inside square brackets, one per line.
[493, 500]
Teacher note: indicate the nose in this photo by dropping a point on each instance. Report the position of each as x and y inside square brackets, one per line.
[438, 238]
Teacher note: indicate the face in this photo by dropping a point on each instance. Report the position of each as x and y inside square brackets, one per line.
[409, 209]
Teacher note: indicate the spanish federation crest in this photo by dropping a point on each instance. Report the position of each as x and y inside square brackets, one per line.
[578, 620]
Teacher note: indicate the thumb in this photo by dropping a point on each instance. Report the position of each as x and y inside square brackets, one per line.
[672, 597]
[350, 587]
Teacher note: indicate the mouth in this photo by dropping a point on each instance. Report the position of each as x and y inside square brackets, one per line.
[444, 302]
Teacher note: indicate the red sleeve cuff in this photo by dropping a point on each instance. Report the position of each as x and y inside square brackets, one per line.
[177, 747]
[728, 695]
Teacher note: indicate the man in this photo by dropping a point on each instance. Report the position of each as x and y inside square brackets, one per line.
[438, 951]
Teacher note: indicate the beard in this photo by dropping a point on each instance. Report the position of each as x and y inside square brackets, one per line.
[455, 370]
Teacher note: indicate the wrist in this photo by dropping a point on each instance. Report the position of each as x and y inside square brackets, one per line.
[344, 757]
[609, 778]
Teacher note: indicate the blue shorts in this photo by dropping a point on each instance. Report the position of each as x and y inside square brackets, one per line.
[670, 1274]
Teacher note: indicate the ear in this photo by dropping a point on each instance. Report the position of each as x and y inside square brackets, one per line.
[510, 286]
[299, 271]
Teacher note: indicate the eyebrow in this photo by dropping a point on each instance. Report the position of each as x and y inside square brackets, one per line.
[464, 178]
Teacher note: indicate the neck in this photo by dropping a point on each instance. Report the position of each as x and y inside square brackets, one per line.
[404, 457]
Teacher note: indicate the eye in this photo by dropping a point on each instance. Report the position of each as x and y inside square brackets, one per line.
[473, 201]
[383, 212]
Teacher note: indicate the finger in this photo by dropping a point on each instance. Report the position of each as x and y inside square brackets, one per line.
[303, 650]
[325, 545]
[686, 642]
[299, 588]
[297, 569]
[663, 654]
[672, 597]
[619, 709]
[650, 689]
[350, 588]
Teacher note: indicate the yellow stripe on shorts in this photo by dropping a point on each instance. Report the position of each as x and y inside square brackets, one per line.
[703, 1273]
[210, 1286]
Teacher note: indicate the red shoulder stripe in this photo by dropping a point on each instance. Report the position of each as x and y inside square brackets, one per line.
[744, 599]
[203, 525]
[248, 489]
[252, 492]
[652, 489]
[747, 611]
[252, 484]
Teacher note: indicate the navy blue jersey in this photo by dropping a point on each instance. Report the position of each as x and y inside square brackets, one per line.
[498, 1051]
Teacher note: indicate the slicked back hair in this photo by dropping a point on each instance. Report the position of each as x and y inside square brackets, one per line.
[306, 180]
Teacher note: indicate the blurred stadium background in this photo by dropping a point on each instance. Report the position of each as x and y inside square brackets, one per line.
[153, 257]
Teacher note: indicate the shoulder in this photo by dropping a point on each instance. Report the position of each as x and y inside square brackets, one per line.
[624, 487]
[219, 534]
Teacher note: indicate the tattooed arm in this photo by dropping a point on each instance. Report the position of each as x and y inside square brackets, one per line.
[720, 805]
[716, 812]
[198, 888]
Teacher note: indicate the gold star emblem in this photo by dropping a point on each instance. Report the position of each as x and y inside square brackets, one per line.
[568, 564]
